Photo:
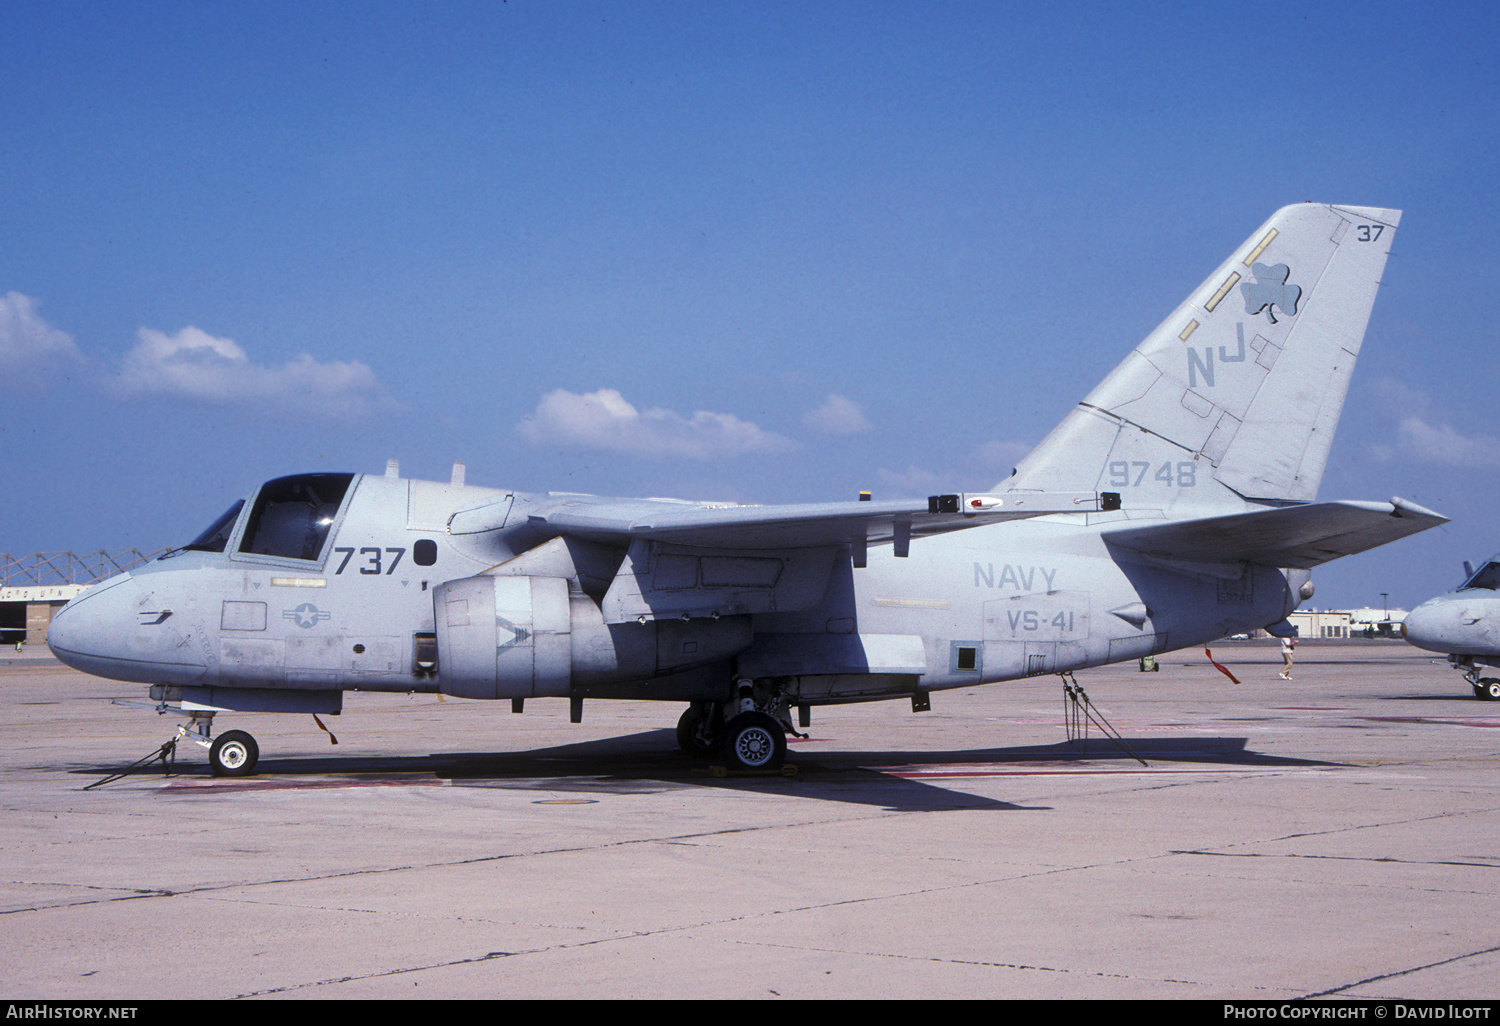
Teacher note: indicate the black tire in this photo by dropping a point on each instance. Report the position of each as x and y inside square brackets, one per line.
[1488, 688]
[691, 739]
[753, 741]
[234, 754]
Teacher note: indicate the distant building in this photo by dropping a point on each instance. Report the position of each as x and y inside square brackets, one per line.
[26, 613]
[1385, 623]
[1348, 623]
[1317, 623]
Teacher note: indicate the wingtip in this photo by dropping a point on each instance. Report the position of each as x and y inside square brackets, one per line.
[1401, 508]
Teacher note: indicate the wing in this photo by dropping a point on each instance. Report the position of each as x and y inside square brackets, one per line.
[1292, 536]
[694, 560]
[620, 521]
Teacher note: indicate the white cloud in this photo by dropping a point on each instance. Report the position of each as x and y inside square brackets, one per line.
[604, 420]
[1397, 396]
[998, 455]
[29, 345]
[195, 364]
[910, 482]
[1420, 442]
[838, 416]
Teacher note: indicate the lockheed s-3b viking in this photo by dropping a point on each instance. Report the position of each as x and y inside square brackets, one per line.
[1173, 506]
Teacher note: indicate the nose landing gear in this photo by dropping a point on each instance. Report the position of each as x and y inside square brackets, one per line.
[1486, 689]
[233, 754]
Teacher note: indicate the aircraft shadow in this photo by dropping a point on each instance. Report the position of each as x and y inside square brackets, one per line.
[1464, 699]
[649, 762]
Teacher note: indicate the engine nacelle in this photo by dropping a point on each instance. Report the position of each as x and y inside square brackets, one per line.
[503, 637]
[526, 637]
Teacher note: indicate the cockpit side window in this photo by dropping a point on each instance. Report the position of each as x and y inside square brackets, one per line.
[292, 515]
[1487, 578]
[217, 536]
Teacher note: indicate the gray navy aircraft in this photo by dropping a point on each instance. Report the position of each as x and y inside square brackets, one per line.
[1464, 624]
[1173, 506]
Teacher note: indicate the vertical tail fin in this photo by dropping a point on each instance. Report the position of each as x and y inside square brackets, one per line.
[1236, 395]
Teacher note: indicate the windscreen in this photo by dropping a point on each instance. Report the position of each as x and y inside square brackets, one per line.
[217, 536]
[1487, 578]
[292, 515]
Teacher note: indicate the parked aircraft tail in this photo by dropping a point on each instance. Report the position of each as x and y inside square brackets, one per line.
[1234, 398]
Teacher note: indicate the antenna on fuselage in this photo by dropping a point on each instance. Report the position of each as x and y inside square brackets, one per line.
[458, 474]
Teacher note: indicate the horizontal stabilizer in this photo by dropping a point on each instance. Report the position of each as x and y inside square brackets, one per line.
[1294, 536]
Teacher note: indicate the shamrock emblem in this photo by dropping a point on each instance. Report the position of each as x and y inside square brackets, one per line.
[1271, 290]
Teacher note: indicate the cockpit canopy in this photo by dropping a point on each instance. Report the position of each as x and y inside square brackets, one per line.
[1486, 578]
[292, 515]
[290, 518]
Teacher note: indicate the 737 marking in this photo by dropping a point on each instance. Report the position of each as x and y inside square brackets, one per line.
[374, 561]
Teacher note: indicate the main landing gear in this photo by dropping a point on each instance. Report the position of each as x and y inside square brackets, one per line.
[753, 738]
[753, 741]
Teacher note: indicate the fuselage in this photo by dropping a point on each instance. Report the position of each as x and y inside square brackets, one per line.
[348, 582]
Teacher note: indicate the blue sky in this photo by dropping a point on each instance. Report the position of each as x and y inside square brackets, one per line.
[816, 248]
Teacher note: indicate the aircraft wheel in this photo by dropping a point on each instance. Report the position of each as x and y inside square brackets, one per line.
[754, 741]
[1488, 688]
[690, 735]
[234, 754]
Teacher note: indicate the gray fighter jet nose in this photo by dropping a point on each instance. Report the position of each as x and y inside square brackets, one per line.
[1428, 625]
[106, 631]
[1453, 624]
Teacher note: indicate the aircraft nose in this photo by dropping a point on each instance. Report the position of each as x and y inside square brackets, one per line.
[1422, 626]
[1449, 624]
[106, 631]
